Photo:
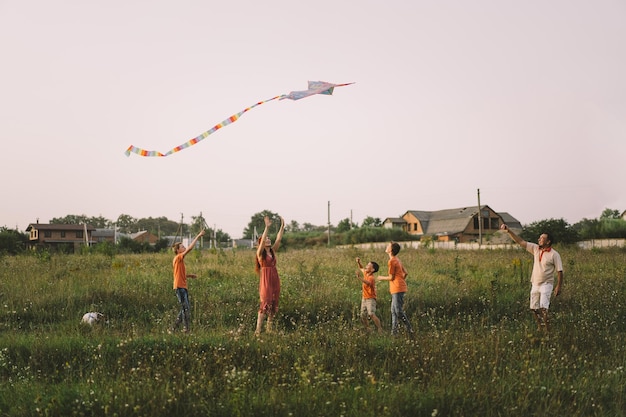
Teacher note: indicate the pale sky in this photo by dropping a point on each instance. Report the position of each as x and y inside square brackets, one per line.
[524, 100]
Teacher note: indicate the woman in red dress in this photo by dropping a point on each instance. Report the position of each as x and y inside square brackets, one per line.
[269, 282]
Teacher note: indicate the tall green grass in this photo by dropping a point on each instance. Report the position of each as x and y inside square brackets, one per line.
[477, 351]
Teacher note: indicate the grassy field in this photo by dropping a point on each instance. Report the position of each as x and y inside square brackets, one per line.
[477, 351]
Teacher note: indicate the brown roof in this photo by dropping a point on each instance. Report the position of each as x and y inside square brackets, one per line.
[47, 226]
[452, 221]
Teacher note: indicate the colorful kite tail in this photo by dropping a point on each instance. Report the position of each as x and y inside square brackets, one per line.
[315, 87]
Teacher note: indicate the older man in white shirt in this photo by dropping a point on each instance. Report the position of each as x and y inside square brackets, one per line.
[547, 263]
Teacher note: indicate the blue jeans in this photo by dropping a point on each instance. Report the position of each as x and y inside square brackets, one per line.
[183, 315]
[397, 313]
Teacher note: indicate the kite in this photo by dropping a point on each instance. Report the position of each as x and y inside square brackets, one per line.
[315, 87]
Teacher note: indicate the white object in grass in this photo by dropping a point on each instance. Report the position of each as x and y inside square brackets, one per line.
[92, 317]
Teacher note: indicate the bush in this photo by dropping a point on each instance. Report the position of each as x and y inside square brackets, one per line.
[12, 242]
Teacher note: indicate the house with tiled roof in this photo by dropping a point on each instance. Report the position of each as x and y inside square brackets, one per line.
[463, 225]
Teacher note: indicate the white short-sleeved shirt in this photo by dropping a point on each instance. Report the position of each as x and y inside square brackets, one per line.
[546, 264]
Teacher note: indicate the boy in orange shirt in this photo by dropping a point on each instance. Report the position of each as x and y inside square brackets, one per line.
[397, 288]
[180, 281]
[368, 302]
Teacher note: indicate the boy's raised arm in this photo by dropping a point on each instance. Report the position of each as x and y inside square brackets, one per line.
[193, 243]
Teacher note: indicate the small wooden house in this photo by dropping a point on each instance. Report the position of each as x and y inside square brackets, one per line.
[65, 237]
[394, 223]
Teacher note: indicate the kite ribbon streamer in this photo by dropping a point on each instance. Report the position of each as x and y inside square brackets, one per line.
[315, 87]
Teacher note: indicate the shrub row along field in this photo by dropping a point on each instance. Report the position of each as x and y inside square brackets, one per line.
[477, 351]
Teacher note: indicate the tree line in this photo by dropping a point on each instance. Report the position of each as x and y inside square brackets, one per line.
[609, 225]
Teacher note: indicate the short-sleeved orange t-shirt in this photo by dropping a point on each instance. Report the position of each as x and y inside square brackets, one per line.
[180, 272]
[398, 276]
[369, 290]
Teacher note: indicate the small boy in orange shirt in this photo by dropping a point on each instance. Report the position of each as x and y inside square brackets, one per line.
[368, 300]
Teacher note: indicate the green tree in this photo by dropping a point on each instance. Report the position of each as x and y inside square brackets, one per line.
[166, 227]
[221, 236]
[610, 214]
[105, 248]
[588, 229]
[561, 231]
[257, 222]
[293, 226]
[127, 245]
[150, 224]
[344, 225]
[161, 245]
[97, 222]
[199, 223]
[12, 241]
[159, 226]
[372, 222]
[126, 223]
[612, 228]
[610, 225]
[70, 219]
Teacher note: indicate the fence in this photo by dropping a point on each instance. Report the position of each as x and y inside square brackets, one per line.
[414, 244]
[586, 244]
[602, 243]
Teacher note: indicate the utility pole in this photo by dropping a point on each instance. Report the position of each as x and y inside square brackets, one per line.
[202, 226]
[180, 229]
[328, 222]
[480, 222]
